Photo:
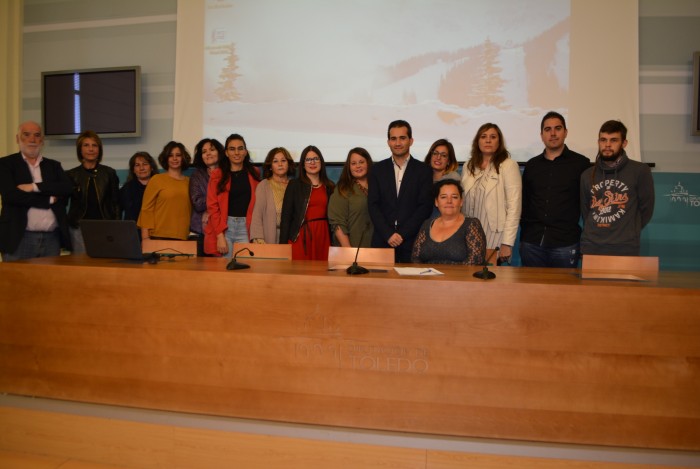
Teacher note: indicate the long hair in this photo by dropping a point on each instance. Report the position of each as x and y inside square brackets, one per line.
[198, 161]
[452, 164]
[322, 176]
[477, 158]
[79, 144]
[146, 156]
[168, 148]
[267, 165]
[346, 182]
[225, 164]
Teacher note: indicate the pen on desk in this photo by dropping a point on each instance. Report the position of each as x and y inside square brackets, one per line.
[426, 272]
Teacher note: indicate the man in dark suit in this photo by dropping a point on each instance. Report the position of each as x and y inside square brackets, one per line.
[34, 192]
[399, 198]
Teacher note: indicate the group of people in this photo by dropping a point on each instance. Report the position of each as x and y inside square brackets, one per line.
[425, 210]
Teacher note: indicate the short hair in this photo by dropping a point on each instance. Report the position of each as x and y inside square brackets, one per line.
[25, 123]
[399, 123]
[345, 181]
[198, 161]
[323, 177]
[84, 136]
[168, 148]
[552, 115]
[614, 126]
[447, 182]
[452, 163]
[499, 156]
[267, 165]
[146, 156]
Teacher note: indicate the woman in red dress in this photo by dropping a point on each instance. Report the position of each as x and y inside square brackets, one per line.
[304, 219]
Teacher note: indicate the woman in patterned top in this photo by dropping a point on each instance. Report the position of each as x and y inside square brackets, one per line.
[451, 238]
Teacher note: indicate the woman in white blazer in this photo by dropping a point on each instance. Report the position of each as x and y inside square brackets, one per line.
[493, 189]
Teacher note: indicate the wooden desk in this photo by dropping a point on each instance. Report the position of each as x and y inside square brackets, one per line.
[536, 354]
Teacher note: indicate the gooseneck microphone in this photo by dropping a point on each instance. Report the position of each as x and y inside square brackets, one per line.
[156, 256]
[485, 273]
[355, 269]
[235, 265]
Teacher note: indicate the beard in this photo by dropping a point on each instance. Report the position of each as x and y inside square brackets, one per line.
[613, 157]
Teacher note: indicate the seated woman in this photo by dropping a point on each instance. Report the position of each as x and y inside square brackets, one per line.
[95, 188]
[142, 167]
[166, 209]
[451, 238]
[347, 209]
[277, 169]
[304, 222]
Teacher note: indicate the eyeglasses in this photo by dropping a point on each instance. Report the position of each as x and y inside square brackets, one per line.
[315, 159]
[437, 154]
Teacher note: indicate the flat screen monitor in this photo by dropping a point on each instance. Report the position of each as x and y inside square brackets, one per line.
[105, 100]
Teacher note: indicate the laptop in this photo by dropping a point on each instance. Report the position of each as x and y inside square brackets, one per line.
[115, 239]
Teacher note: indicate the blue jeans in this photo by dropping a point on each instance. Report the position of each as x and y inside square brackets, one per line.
[236, 232]
[35, 244]
[532, 255]
[76, 239]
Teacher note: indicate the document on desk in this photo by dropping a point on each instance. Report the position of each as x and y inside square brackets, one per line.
[417, 271]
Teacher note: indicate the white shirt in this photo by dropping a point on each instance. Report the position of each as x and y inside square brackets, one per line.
[399, 172]
[39, 219]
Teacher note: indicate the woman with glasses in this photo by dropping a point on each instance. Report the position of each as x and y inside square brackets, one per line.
[304, 219]
[230, 198]
[442, 160]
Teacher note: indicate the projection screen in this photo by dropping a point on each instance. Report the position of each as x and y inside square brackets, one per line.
[334, 74]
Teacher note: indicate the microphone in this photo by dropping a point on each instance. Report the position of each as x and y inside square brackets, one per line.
[155, 257]
[355, 269]
[485, 273]
[235, 265]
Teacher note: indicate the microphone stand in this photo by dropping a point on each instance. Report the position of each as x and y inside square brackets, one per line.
[235, 265]
[156, 256]
[355, 269]
[485, 273]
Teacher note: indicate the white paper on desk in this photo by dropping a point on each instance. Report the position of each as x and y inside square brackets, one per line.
[422, 271]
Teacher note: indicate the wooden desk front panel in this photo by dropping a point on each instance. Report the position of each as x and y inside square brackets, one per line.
[558, 360]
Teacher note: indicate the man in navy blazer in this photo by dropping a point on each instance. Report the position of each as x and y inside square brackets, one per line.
[399, 198]
[34, 191]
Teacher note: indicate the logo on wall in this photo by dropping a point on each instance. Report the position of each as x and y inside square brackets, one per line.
[680, 195]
